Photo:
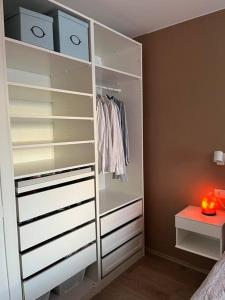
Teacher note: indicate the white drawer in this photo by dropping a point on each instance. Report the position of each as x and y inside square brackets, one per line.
[50, 278]
[198, 227]
[113, 260]
[120, 217]
[120, 236]
[41, 203]
[26, 185]
[49, 253]
[46, 228]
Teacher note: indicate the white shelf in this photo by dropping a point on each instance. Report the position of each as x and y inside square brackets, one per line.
[116, 33]
[116, 51]
[31, 65]
[40, 102]
[201, 245]
[29, 131]
[108, 75]
[48, 89]
[44, 50]
[111, 200]
[50, 117]
[43, 167]
[50, 144]
[37, 159]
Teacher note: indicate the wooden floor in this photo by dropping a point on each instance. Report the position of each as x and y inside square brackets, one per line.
[153, 278]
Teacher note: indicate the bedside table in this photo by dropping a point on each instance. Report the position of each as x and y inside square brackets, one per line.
[200, 234]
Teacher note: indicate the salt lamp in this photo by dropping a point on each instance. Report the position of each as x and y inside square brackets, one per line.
[209, 204]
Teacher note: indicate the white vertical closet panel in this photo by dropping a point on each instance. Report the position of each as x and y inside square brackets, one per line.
[92, 40]
[7, 176]
[4, 288]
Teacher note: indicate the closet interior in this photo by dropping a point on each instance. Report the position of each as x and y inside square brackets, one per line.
[120, 76]
[51, 106]
[61, 199]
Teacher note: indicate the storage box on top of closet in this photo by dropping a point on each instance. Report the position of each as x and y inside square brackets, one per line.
[31, 27]
[71, 35]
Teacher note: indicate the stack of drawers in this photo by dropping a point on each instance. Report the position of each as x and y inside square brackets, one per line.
[57, 230]
[121, 235]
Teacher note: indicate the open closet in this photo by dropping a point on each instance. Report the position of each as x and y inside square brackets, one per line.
[61, 215]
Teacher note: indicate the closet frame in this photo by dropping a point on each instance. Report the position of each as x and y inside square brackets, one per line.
[109, 75]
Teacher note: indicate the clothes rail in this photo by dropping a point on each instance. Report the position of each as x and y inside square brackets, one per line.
[109, 88]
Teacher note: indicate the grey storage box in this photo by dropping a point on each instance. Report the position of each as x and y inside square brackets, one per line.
[71, 35]
[69, 284]
[31, 27]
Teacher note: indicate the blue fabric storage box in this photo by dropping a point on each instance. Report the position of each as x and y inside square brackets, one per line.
[71, 35]
[31, 27]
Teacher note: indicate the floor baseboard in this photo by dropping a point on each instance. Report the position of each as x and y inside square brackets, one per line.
[176, 260]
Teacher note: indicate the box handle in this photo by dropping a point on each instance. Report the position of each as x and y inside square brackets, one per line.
[38, 32]
[75, 39]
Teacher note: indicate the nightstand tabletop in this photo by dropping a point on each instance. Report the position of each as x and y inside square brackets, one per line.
[194, 213]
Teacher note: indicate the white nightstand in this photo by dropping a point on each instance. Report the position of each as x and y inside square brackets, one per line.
[200, 234]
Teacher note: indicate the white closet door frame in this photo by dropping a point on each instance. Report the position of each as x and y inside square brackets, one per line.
[96, 147]
[4, 287]
[7, 179]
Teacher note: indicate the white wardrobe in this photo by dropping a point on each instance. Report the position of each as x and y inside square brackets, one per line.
[60, 215]
[4, 290]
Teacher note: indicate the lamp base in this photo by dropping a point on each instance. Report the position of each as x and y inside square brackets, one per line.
[209, 213]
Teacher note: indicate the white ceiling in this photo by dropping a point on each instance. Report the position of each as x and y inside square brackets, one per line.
[137, 17]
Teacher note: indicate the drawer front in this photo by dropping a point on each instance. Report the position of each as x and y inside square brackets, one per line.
[27, 185]
[44, 256]
[50, 278]
[120, 217]
[113, 260]
[44, 202]
[198, 227]
[46, 228]
[117, 238]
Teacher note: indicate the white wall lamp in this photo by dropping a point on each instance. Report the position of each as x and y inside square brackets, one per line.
[219, 158]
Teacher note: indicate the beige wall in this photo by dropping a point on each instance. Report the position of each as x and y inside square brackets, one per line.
[184, 122]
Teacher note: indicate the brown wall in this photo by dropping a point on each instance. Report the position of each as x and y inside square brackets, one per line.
[184, 122]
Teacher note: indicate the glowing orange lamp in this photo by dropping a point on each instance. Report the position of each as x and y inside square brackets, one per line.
[209, 204]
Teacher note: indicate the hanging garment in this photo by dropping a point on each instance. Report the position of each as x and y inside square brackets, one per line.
[124, 128]
[111, 118]
[117, 161]
[108, 138]
[101, 137]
